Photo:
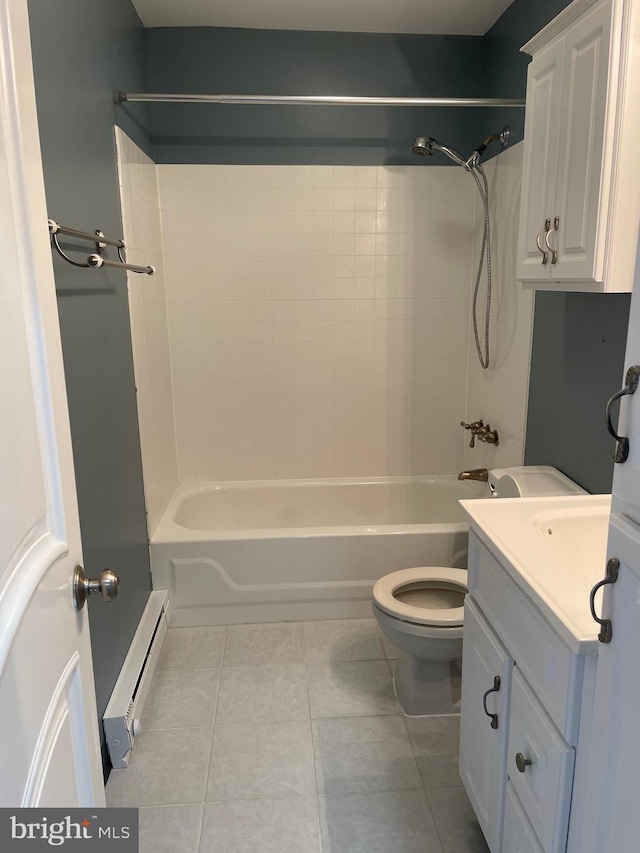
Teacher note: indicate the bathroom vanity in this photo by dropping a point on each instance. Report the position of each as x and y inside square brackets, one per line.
[529, 662]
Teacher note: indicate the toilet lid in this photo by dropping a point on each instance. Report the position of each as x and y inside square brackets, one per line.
[428, 595]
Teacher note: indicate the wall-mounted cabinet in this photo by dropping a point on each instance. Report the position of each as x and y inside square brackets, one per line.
[581, 175]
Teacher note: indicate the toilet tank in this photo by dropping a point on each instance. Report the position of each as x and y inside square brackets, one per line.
[531, 481]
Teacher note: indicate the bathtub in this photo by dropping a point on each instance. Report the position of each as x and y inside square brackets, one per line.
[271, 551]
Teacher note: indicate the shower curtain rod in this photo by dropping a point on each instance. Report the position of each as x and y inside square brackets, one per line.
[316, 100]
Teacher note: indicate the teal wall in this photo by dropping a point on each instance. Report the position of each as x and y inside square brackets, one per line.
[577, 364]
[209, 60]
[83, 50]
[505, 71]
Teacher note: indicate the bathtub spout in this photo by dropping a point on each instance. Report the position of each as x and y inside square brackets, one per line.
[479, 474]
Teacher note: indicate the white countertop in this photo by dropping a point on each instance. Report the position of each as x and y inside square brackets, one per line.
[554, 548]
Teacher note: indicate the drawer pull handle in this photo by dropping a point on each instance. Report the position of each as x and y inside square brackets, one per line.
[547, 234]
[521, 762]
[494, 689]
[545, 255]
[630, 387]
[606, 628]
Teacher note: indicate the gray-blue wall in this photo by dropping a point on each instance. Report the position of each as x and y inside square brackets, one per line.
[505, 66]
[234, 61]
[83, 50]
[577, 364]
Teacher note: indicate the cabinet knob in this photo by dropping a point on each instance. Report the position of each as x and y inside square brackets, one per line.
[521, 762]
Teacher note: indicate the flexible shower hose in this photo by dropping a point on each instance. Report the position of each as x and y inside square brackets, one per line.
[485, 252]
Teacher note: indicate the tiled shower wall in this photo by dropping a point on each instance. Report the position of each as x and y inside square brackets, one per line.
[142, 232]
[318, 318]
[499, 394]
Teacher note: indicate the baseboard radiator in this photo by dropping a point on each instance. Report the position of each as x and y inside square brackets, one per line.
[121, 719]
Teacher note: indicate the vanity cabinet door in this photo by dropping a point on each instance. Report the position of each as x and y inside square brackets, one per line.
[483, 745]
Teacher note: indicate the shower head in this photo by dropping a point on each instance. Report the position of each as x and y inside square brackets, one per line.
[424, 146]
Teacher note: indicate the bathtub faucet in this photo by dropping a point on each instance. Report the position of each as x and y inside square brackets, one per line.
[479, 474]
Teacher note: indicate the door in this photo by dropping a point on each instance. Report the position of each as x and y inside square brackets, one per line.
[48, 726]
[483, 740]
[626, 483]
[611, 816]
[611, 819]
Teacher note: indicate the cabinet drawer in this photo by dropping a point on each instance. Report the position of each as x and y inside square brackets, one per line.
[544, 786]
[549, 666]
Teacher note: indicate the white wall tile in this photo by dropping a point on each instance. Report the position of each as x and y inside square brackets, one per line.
[499, 394]
[337, 300]
[148, 309]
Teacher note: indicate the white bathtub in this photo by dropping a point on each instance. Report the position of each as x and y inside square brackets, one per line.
[301, 549]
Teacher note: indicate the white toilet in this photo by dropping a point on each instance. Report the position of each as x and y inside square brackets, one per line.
[421, 610]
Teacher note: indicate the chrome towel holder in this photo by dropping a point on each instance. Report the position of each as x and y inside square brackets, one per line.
[94, 260]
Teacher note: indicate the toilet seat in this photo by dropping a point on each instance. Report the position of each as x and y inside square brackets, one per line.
[385, 590]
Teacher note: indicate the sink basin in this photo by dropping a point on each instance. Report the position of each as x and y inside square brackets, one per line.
[555, 550]
[576, 537]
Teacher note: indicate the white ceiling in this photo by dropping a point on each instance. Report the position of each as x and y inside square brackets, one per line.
[454, 17]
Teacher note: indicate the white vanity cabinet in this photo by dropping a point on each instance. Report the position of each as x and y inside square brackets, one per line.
[519, 775]
[581, 178]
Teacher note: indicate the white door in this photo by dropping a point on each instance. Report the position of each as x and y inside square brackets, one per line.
[611, 817]
[48, 725]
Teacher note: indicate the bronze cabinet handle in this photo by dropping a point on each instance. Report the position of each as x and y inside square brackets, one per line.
[494, 689]
[630, 386]
[606, 628]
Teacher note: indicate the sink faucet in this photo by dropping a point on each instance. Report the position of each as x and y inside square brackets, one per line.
[479, 474]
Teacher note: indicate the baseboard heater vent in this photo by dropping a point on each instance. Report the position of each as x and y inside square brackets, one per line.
[121, 719]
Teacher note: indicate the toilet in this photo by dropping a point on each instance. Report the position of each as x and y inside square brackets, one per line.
[421, 610]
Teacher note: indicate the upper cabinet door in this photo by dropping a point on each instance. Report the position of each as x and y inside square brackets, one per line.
[582, 128]
[540, 168]
[582, 134]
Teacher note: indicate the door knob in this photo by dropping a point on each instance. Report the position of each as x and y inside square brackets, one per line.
[107, 585]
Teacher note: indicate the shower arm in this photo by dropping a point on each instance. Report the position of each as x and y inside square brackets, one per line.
[502, 137]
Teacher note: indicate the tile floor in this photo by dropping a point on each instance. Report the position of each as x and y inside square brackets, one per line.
[288, 737]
